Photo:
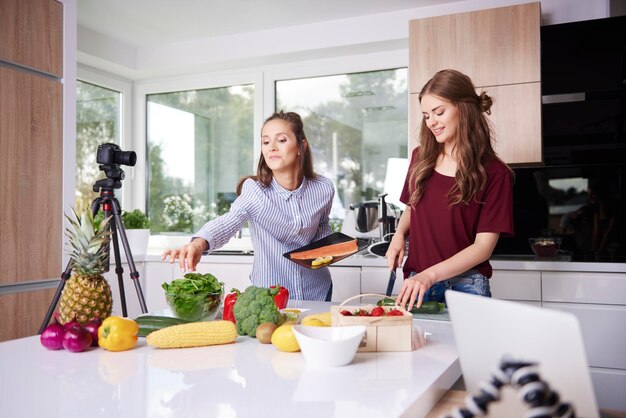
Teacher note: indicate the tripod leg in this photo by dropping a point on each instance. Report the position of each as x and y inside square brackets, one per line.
[134, 274]
[119, 270]
[67, 273]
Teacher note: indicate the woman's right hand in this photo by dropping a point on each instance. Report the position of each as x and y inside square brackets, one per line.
[189, 255]
[395, 252]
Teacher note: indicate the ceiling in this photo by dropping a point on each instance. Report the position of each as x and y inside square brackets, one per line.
[142, 23]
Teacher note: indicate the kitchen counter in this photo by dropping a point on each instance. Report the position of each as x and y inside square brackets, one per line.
[368, 260]
[244, 379]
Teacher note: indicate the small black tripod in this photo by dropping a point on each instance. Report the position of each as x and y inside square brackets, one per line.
[110, 206]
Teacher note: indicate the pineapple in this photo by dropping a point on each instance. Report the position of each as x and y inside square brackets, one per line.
[86, 294]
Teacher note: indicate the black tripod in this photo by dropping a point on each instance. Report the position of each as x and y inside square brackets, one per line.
[110, 206]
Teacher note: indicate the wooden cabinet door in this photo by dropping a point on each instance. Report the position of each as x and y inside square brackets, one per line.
[499, 50]
[23, 312]
[32, 34]
[31, 178]
[515, 117]
[493, 47]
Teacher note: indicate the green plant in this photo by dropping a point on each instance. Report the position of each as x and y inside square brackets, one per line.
[135, 219]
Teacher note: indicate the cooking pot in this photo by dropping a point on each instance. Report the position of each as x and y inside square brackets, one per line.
[365, 215]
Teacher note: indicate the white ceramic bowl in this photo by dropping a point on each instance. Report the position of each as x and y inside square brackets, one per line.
[329, 346]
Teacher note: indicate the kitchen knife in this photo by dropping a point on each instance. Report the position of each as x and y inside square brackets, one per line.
[392, 281]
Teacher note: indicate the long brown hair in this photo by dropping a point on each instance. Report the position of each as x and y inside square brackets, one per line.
[473, 143]
[264, 173]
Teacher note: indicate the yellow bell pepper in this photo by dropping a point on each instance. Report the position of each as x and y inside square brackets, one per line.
[118, 334]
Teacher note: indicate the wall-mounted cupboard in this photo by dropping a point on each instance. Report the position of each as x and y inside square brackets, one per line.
[499, 49]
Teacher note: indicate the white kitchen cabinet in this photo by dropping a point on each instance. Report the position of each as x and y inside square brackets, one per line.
[232, 275]
[376, 279]
[602, 328]
[603, 331]
[598, 300]
[133, 308]
[584, 287]
[610, 387]
[346, 282]
[517, 285]
[156, 275]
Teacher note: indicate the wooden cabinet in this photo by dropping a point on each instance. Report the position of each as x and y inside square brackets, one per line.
[31, 180]
[499, 49]
[493, 47]
[31, 161]
[32, 34]
[22, 312]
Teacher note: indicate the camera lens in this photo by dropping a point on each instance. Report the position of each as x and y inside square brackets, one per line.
[125, 158]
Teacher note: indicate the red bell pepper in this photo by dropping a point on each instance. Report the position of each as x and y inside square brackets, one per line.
[229, 304]
[282, 297]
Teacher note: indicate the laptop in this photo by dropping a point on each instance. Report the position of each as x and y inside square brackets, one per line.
[486, 329]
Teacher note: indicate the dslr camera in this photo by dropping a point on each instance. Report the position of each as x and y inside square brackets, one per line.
[112, 154]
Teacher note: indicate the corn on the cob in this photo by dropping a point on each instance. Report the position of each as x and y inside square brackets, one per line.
[195, 334]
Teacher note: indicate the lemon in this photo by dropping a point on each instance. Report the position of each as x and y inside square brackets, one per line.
[322, 260]
[284, 339]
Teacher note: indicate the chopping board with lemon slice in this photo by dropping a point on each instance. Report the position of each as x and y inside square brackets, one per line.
[324, 252]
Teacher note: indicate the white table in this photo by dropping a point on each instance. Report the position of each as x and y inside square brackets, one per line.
[245, 379]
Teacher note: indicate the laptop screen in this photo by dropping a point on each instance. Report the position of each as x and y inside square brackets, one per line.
[487, 329]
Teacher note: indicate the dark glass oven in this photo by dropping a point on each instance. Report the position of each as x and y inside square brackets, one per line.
[579, 193]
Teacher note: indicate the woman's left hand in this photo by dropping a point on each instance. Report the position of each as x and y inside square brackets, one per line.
[413, 290]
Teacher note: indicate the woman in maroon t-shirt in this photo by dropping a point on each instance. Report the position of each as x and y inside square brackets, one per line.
[458, 195]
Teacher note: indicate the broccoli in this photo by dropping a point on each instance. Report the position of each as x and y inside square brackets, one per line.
[255, 306]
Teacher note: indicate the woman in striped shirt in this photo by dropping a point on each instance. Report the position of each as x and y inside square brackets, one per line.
[286, 206]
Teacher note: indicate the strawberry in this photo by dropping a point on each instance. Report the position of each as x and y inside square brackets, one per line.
[395, 312]
[378, 311]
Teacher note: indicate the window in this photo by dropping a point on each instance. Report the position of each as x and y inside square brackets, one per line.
[200, 143]
[354, 123]
[98, 121]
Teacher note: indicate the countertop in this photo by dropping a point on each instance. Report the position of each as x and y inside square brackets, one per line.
[362, 260]
[244, 379]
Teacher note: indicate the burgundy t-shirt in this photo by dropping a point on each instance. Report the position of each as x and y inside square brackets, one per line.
[440, 230]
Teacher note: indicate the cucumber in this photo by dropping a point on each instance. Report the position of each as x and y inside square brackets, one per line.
[429, 308]
[149, 323]
[426, 308]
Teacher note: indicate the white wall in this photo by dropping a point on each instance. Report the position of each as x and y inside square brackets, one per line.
[362, 43]
[337, 38]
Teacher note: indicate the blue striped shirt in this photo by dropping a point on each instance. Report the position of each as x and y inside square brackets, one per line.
[280, 221]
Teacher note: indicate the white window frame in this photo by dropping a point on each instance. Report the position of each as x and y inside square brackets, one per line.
[123, 86]
[263, 79]
[195, 82]
[333, 66]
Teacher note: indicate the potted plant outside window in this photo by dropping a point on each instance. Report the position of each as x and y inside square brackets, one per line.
[137, 227]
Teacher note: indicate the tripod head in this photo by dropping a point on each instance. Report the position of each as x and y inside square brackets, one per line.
[110, 156]
[114, 178]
